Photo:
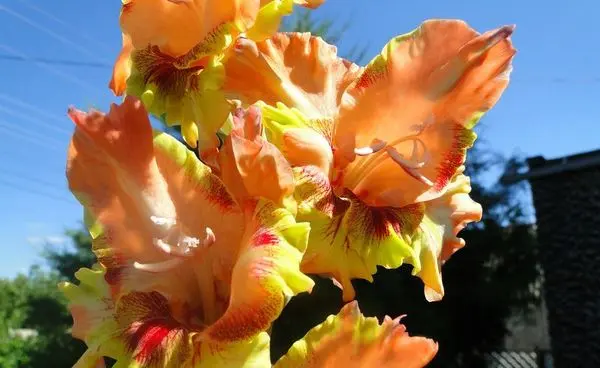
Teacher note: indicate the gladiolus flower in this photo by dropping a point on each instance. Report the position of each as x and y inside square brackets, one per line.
[173, 52]
[188, 275]
[378, 152]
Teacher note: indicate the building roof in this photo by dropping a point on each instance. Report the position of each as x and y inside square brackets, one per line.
[540, 167]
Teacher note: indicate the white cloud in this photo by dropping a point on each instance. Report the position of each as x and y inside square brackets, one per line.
[54, 240]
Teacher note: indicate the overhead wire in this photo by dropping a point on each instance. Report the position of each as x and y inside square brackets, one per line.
[35, 120]
[38, 192]
[65, 24]
[32, 179]
[36, 109]
[51, 69]
[48, 31]
[87, 64]
[28, 136]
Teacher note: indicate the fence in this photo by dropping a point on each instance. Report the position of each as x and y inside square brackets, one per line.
[519, 359]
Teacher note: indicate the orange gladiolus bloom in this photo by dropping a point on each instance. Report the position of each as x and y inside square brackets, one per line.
[172, 54]
[189, 275]
[378, 152]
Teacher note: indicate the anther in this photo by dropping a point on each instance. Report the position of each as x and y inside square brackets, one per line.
[375, 146]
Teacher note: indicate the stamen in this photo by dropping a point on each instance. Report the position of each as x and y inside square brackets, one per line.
[186, 247]
[409, 167]
[163, 221]
[159, 266]
[189, 242]
[210, 237]
[375, 146]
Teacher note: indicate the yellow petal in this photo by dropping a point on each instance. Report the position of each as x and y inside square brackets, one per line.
[421, 97]
[437, 237]
[303, 141]
[269, 17]
[266, 274]
[91, 306]
[181, 96]
[349, 239]
[350, 340]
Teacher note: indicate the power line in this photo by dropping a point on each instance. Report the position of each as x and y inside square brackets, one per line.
[19, 187]
[31, 132]
[39, 111]
[51, 69]
[28, 137]
[86, 64]
[34, 120]
[48, 31]
[30, 179]
[65, 24]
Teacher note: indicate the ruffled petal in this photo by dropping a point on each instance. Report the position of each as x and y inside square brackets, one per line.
[271, 13]
[296, 69]
[266, 274]
[420, 99]
[142, 329]
[147, 199]
[189, 96]
[177, 304]
[436, 239]
[349, 239]
[251, 166]
[91, 306]
[303, 141]
[156, 339]
[353, 341]
[177, 26]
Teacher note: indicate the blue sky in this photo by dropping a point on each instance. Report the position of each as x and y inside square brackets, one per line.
[552, 106]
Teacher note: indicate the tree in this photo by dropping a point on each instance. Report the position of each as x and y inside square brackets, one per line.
[32, 305]
[67, 261]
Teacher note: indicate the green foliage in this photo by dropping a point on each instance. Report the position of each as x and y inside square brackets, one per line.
[32, 303]
[67, 261]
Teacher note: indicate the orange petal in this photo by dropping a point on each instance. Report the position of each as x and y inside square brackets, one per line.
[421, 96]
[352, 341]
[250, 165]
[122, 68]
[177, 26]
[293, 68]
[127, 192]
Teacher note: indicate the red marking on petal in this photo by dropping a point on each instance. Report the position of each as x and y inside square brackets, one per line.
[375, 222]
[149, 339]
[151, 332]
[264, 237]
[463, 139]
